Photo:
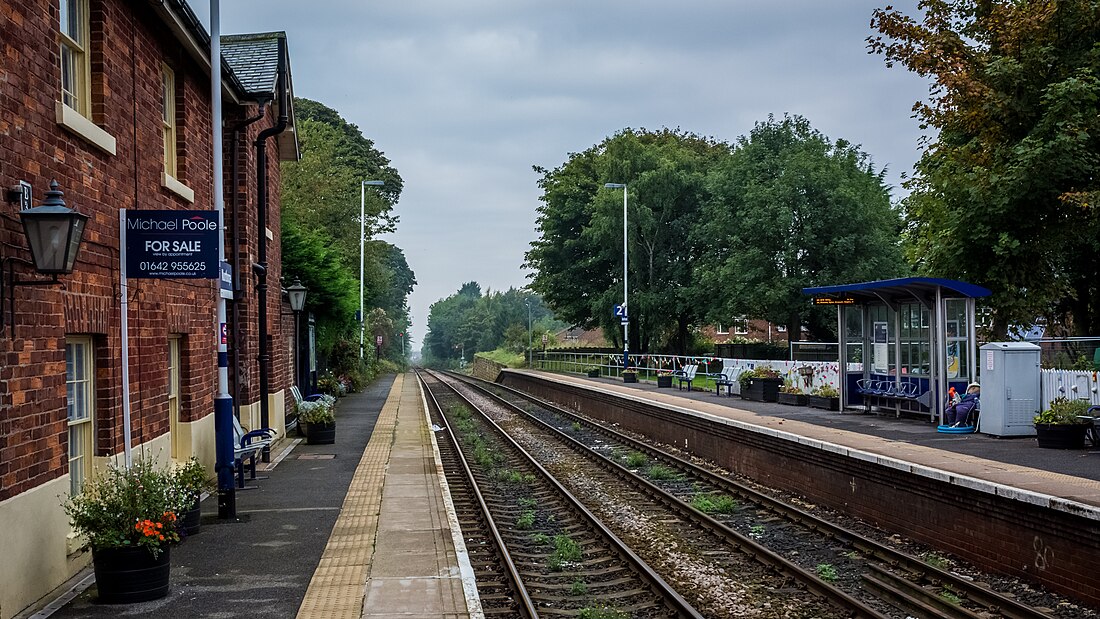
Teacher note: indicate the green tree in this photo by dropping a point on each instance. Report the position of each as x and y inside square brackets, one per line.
[1005, 195]
[792, 209]
[472, 322]
[577, 259]
[321, 227]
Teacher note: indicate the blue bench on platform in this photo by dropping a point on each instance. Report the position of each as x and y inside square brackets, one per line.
[889, 393]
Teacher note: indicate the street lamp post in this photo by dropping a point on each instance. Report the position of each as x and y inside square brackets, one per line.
[530, 363]
[362, 237]
[626, 321]
[297, 294]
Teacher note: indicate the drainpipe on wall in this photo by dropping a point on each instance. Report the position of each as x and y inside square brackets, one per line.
[235, 243]
[260, 268]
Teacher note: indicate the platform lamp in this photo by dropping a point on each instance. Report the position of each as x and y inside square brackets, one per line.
[297, 294]
[54, 232]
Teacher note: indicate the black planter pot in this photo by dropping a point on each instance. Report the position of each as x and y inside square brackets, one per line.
[762, 389]
[664, 382]
[593, 373]
[792, 399]
[829, 404]
[630, 377]
[1061, 436]
[320, 433]
[191, 520]
[129, 575]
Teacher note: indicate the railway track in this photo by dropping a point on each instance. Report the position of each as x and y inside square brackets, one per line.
[720, 572]
[894, 583]
[536, 550]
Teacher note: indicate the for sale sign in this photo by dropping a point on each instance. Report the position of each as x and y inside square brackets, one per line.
[172, 244]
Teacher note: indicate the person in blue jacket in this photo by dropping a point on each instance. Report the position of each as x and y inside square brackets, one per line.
[969, 405]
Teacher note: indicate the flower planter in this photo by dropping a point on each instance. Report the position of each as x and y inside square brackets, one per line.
[762, 389]
[593, 373]
[191, 520]
[320, 433]
[792, 399]
[664, 382]
[818, 401]
[131, 574]
[630, 377]
[1061, 436]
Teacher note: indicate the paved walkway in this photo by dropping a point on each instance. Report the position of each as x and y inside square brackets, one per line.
[360, 528]
[1008, 466]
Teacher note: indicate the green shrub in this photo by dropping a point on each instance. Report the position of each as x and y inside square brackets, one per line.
[1063, 411]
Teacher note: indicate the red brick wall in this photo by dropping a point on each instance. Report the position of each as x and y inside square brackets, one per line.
[128, 45]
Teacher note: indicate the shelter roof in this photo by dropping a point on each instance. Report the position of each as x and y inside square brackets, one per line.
[903, 289]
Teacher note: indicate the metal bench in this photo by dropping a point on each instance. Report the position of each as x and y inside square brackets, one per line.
[726, 378]
[685, 374]
[246, 447]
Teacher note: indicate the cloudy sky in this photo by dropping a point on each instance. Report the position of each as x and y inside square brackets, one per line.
[464, 97]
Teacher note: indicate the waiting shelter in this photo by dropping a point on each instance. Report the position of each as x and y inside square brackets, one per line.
[904, 342]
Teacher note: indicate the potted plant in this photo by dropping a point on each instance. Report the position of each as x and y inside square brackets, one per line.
[592, 371]
[1059, 427]
[128, 519]
[760, 384]
[664, 379]
[318, 420]
[630, 376]
[826, 397]
[791, 395]
[191, 480]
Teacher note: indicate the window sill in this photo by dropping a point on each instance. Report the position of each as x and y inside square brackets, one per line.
[75, 122]
[176, 187]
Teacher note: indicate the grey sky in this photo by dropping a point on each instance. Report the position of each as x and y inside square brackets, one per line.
[464, 97]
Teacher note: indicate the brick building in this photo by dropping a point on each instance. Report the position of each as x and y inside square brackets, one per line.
[112, 99]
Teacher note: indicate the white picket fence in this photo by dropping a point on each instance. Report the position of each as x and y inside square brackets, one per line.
[1070, 384]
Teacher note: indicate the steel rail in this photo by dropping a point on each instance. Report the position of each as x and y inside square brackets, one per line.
[992, 601]
[673, 600]
[748, 546]
[525, 604]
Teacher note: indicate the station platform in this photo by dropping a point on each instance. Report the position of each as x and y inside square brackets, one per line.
[1070, 476]
[360, 528]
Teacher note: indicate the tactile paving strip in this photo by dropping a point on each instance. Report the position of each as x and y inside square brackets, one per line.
[338, 586]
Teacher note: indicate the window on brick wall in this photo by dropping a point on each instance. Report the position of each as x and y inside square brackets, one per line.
[75, 63]
[723, 330]
[741, 326]
[80, 403]
[174, 396]
[74, 102]
[168, 118]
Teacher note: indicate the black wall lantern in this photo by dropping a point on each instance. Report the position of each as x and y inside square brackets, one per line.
[54, 232]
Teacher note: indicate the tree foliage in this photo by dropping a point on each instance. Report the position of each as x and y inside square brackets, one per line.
[578, 259]
[320, 235]
[715, 230]
[468, 322]
[792, 209]
[1005, 196]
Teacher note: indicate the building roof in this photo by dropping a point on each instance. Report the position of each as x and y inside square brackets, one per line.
[254, 59]
[257, 60]
[905, 288]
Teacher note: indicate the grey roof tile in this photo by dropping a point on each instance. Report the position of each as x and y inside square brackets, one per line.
[254, 59]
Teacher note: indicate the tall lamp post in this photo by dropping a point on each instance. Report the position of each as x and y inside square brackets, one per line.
[362, 237]
[297, 294]
[626, 321]
[527, 302]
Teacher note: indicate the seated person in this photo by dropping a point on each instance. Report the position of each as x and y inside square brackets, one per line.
[959, 412]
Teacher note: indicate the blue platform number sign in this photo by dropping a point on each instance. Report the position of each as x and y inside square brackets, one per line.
[172, 244]
[620, 313]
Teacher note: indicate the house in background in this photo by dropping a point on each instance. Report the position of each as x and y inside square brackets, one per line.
[111, 99]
